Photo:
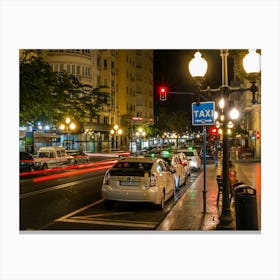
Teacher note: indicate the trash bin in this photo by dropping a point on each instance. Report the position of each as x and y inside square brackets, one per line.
[246, 215]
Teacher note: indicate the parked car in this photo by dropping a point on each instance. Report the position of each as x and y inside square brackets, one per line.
[53, 156]
[26, 162]
[78, 156]
[193, 158]
[181, 170]
[185, 162]
[209, 154]
[138, 179]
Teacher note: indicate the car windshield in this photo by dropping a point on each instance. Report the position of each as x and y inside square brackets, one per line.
[189, 154]
[43, 155]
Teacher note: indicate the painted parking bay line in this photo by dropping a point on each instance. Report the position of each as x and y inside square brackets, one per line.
[91, 219]
[99, 219]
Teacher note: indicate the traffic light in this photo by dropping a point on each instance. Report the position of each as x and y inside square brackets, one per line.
[214, 131]
[257, 135]
[162, 93]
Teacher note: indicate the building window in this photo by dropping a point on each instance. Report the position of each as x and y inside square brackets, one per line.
[86, 71]
[73, 68]
[105, 120]
[99, 61]
[105, 64]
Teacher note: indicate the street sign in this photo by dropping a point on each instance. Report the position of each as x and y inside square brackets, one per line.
[203, 114]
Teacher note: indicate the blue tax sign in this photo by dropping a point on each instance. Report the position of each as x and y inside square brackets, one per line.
[203, 114]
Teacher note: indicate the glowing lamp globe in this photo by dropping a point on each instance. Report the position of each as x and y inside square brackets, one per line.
[198, 66]
[252, 62]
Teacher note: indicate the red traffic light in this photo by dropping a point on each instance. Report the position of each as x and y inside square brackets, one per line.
[257, 134]
[214, 131]
[162, 93]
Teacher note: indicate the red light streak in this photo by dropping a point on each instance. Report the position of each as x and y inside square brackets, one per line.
[86, 165]
[71, 173]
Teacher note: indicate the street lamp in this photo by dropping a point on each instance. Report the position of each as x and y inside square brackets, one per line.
[67, 126]
[116, 131]
[140, 133]
[198, 68]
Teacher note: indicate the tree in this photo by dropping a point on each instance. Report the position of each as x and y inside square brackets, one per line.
[48, 96]
[176, 121]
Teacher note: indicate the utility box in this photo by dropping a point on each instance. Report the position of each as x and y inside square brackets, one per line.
[246, 208]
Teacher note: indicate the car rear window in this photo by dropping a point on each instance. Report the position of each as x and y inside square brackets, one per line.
[131, 169]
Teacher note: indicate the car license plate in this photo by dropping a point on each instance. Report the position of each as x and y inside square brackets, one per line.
[128, 183]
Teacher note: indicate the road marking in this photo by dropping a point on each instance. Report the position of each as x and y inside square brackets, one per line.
[94, 219]
[79, 210]
[66, 185]
[98, 221]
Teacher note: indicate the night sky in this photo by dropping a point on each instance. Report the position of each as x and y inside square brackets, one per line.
[171, 70]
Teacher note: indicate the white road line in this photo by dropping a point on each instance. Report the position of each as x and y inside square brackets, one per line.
[66, 185]
[111, 223]
[78, 210]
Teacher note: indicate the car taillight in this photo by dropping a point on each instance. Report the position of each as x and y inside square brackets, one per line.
[106, 178]
[153, 180]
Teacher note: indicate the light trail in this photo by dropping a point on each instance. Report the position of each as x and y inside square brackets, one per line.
[86, 165]
[71, 173]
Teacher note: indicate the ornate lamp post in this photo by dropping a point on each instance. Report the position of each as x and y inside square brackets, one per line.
[198, 68]
[67, 126]
[140, 133]
[116, 131]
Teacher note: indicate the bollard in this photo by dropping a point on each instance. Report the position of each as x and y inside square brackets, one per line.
[246, 208]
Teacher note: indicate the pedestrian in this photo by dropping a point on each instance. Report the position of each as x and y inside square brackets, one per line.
[232, 173]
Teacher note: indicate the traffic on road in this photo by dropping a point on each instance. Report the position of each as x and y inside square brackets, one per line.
[134, 192]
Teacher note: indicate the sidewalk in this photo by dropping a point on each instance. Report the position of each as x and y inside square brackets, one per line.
[188, 214]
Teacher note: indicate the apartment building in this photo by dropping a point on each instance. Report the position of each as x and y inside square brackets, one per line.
[128, 74]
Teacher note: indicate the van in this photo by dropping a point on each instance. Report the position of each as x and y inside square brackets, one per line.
[50, 157]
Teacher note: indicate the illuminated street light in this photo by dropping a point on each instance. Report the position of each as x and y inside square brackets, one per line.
[198, 68]
[252, 62]
[67, 127]
[140, 133]
[116, 131]
[222, 103]
[234, 114]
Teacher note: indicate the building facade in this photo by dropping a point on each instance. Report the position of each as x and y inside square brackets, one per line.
[128, 76]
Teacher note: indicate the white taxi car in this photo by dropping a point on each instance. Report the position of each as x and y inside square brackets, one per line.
[180, 164]
[138, 179]
[193, 158]
[50, 157]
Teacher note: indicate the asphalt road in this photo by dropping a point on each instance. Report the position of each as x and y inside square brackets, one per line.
[71, 200]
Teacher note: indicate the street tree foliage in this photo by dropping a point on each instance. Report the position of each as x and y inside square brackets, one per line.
[49, 96]
[176, 122]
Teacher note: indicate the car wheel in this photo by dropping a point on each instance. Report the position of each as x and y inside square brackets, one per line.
[75, 162]
[45, 166]
[161, 206]
[109, 204]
